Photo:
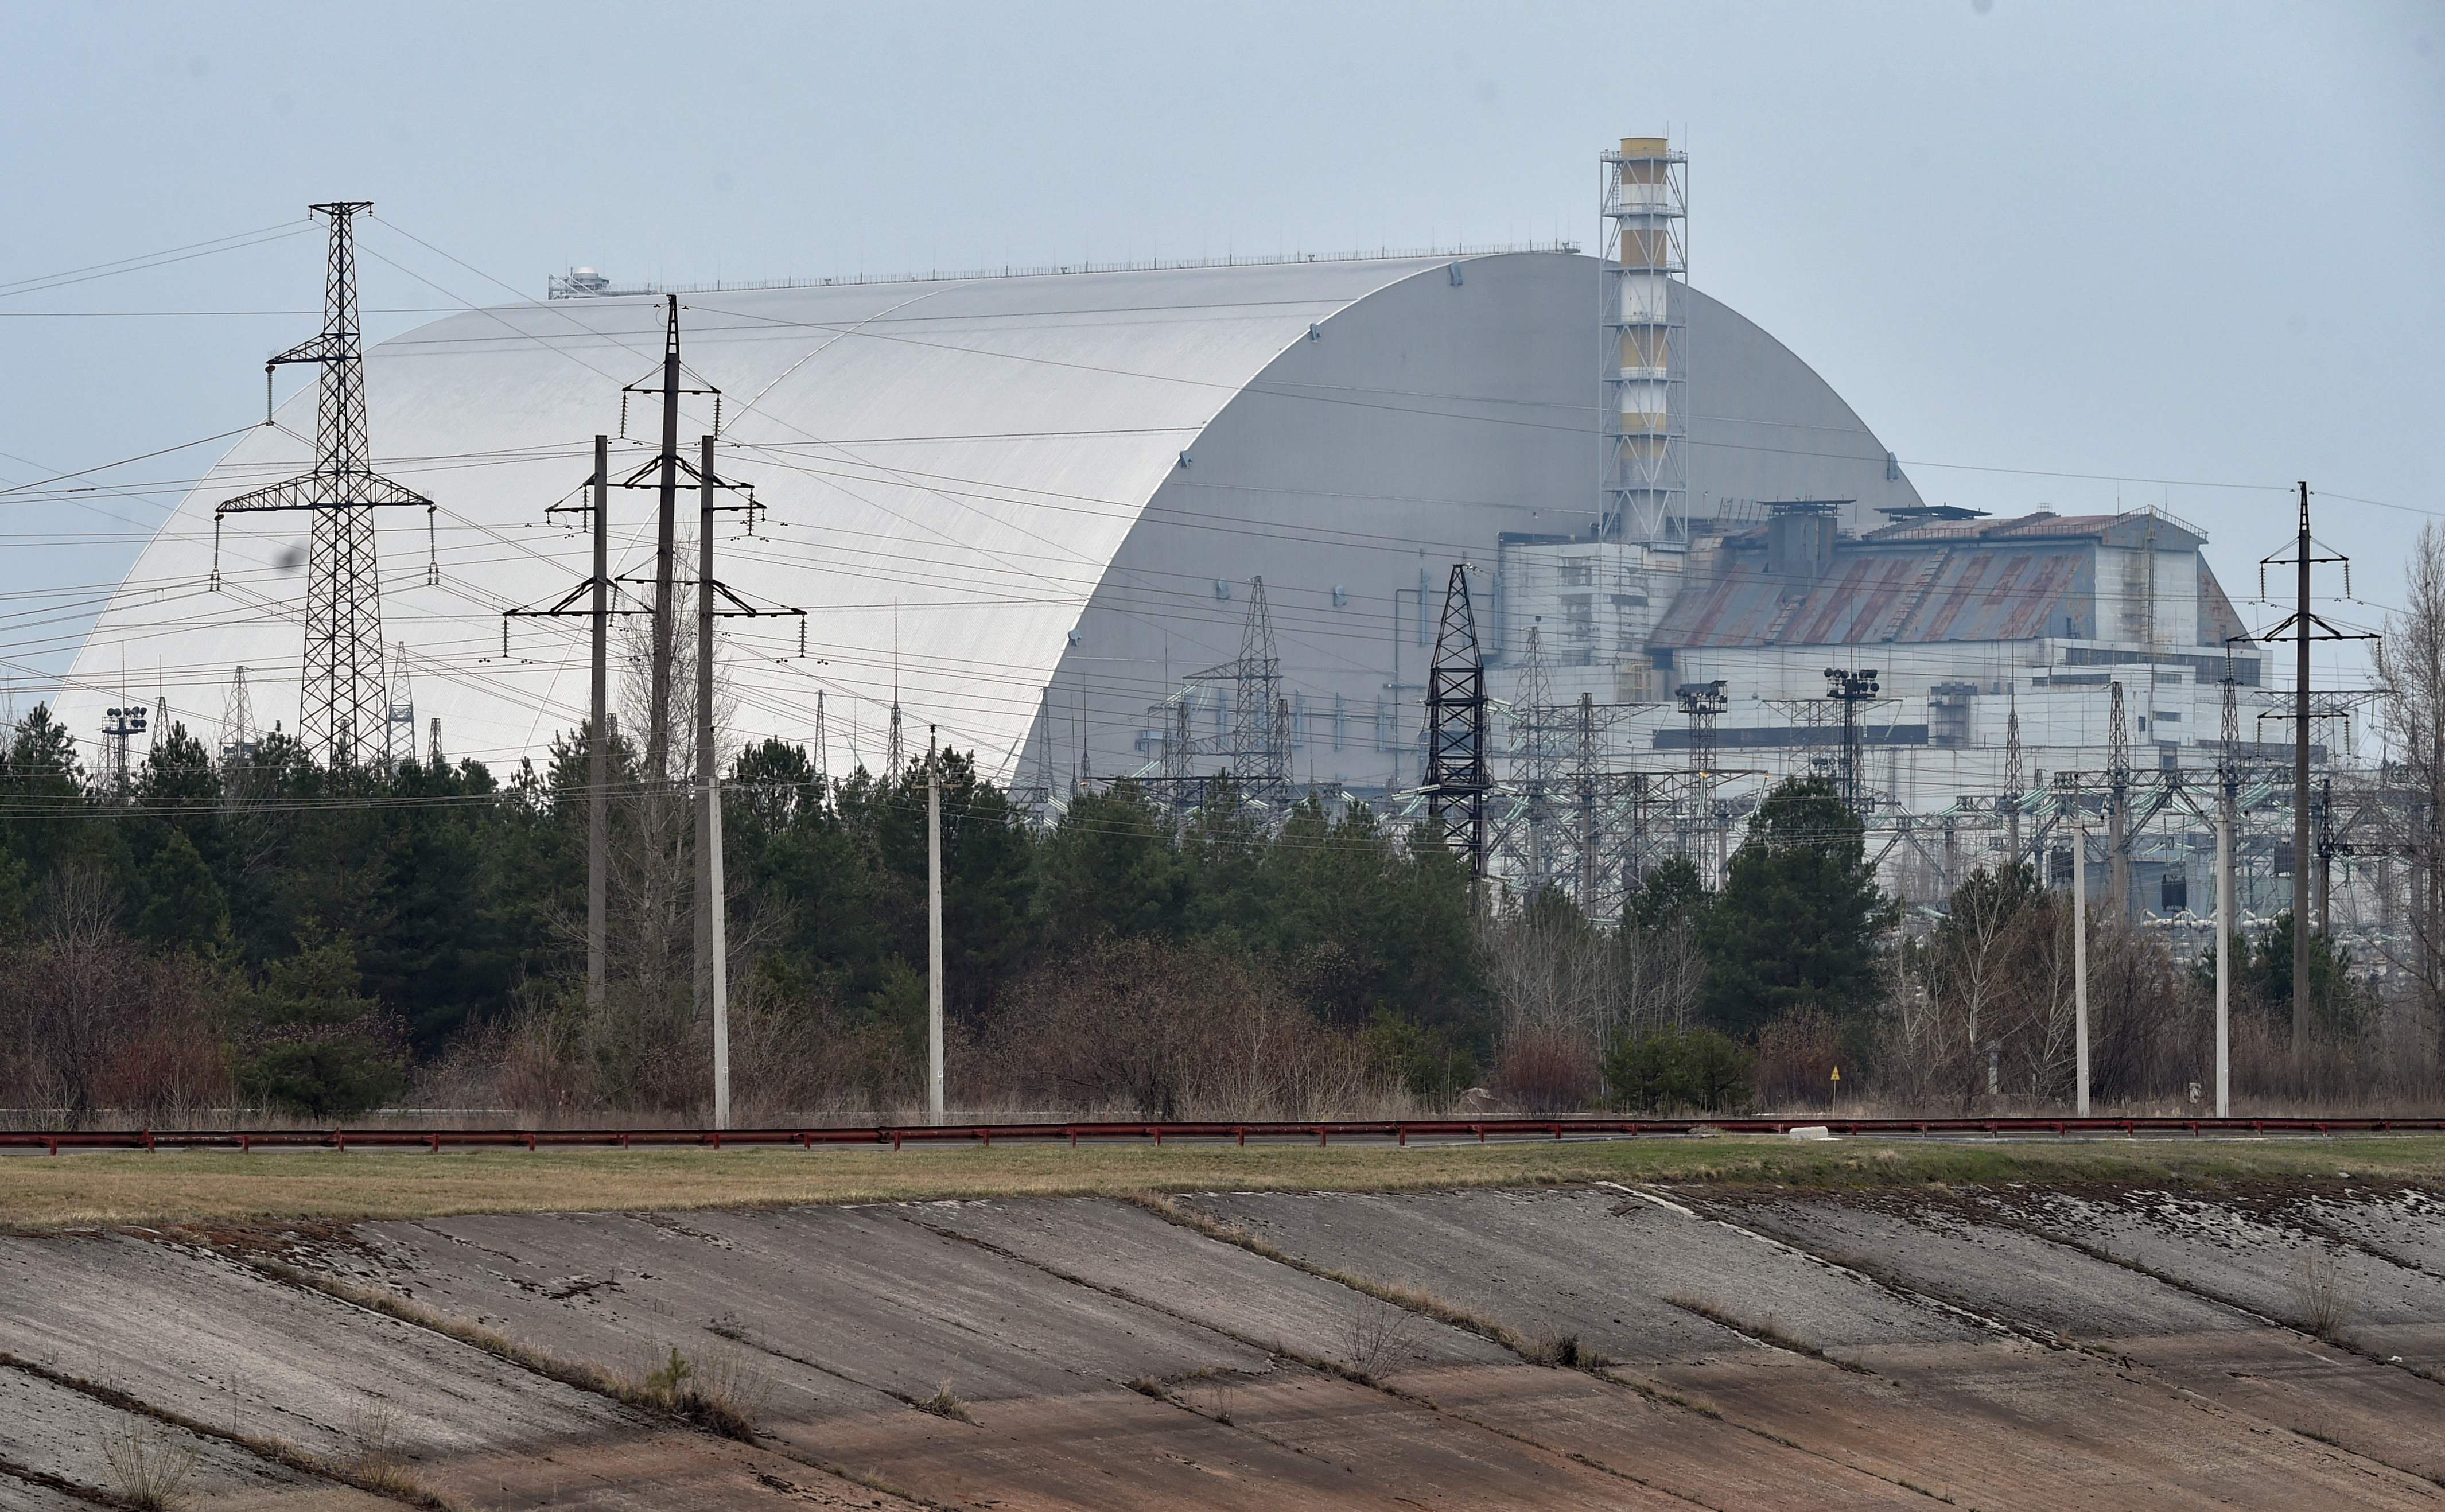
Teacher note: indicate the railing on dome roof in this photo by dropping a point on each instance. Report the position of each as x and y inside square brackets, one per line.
[561, 288]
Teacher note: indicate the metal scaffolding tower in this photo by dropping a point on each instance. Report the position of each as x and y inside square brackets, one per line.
[344, 703]
[1457, 779]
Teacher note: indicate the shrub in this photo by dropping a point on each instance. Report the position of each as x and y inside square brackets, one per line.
[1796, 1059]
[1545, 1071]
[1671, 1068]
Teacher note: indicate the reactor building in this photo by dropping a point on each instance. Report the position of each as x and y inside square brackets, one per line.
[1157, 521]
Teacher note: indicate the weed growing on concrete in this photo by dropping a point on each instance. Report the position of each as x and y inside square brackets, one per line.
[377, 1463]
[149, 1470]
[945, 1403]
[1561, 1350]
[2323, 1296]
[1376, 1333]
[1220, 1391]
[721, 1390]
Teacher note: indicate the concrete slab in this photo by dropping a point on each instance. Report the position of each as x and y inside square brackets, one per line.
[1123, 1248]
[2253, 1252]
[2041, 1439]
[215, 1342]
[1111, 1452]
[2002, 1420]
[2405, 1226]
[1418, 1455]
[1930, 1243]
[68, 1433]
[1939, 1247]
[854, 1312]
[1674, 1451]
[1600, 1265]
[848, 1308]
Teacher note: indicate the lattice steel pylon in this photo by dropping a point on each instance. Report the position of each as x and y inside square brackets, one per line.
[239, 737]
[1261, 756]
[344, 703]
[1257, 749]
[1537, 734]
[2014, 780]
[399, 710]
[1456, 772]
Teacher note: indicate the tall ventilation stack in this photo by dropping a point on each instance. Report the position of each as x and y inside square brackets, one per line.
[1646, 209]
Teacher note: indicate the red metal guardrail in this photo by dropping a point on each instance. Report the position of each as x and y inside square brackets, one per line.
[1399, 1130]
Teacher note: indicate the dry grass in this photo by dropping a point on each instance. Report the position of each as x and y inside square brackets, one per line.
[2324, 1297]
[378, 1462]
[212, 1187]
[1376, 1333]
[719, 1389]
[945, 1403]
[150, 1470]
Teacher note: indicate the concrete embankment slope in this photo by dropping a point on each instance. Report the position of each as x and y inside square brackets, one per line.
[1589, 1346]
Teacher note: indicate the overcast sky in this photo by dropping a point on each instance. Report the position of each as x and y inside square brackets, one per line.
[2202, 244]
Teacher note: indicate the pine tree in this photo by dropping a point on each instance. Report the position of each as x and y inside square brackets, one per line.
[1800, 919]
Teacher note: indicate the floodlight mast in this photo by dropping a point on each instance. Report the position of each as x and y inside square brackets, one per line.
[1851, 688]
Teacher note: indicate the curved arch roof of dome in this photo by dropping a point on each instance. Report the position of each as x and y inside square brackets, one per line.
[977, 450]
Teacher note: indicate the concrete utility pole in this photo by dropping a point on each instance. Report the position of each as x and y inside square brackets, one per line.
[709, 912]
[2301, 793]
[933, 930]
[657, 726]
[598, 744]
[2080, 959]
[2224, 961]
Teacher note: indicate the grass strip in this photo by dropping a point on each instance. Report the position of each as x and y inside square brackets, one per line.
[44, 1192]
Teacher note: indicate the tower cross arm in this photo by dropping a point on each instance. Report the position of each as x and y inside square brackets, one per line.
[327, 347]
[313, 491]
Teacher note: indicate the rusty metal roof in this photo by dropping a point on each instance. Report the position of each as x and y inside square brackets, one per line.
[2134, 529]
[1930, 580]
[1880, 592]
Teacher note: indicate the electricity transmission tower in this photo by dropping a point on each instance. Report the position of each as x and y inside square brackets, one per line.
[344, 703]
[238, 735]
[1538, 729]
[399, 710]
[1456, 774]
[1255, 751]
[2301, 627]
